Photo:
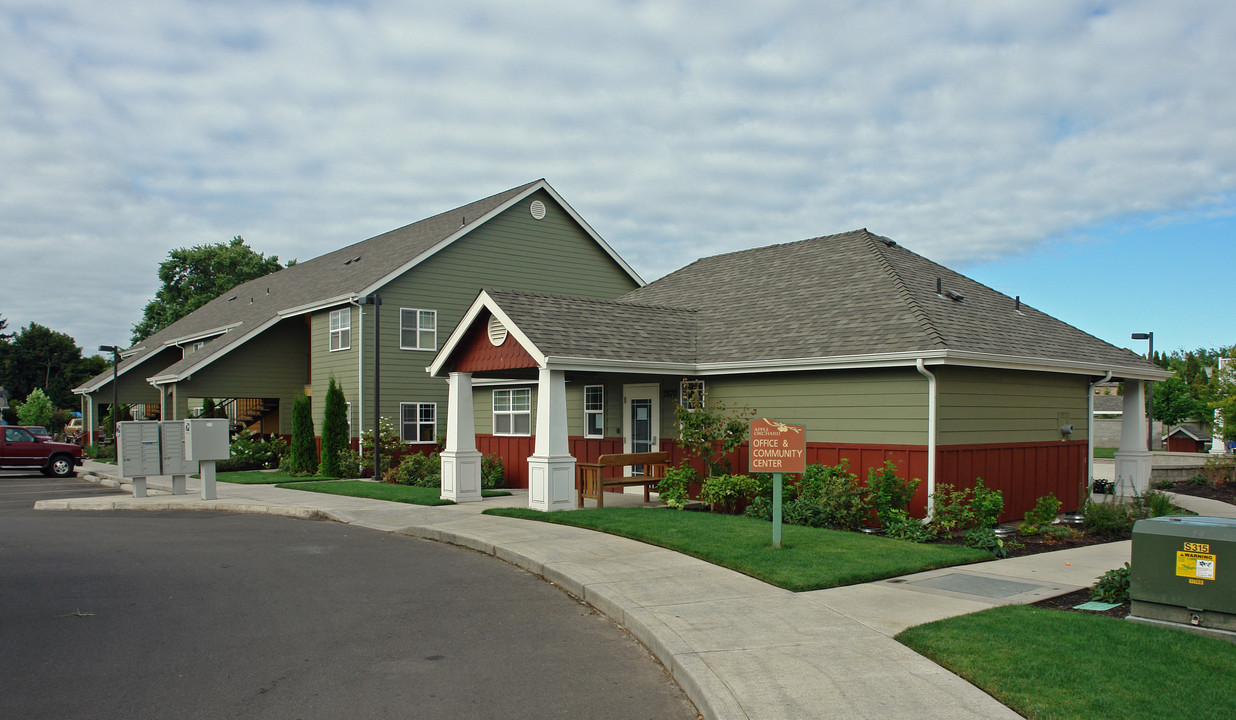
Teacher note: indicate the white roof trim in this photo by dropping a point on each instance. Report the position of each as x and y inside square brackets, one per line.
[201, 335]
[464, 230]
[317, 305]
[482, 302]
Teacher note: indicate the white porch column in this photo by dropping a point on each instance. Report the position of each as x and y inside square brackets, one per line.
[461, 463]
[1133, 457]
[551, 469]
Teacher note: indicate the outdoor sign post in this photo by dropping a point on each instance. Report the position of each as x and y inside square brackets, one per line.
[777, 448]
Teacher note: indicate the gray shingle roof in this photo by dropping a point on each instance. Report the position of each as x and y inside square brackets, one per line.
[854, 294]
[562, 326]
[257, 303]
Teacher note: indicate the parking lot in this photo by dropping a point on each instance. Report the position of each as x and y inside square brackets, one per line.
[206, 615]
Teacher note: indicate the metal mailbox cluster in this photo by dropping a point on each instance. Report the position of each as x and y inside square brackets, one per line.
[177, 448]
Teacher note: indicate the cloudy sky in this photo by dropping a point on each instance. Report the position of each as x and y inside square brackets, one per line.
[1081, 155]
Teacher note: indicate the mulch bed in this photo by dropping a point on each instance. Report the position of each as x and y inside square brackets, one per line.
[1223, 493]
[1036, 544]
[1077, 597]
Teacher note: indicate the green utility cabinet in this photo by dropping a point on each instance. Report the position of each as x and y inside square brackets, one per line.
[1184, 571]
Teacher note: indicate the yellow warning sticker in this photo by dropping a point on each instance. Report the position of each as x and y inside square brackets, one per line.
[1198, 566]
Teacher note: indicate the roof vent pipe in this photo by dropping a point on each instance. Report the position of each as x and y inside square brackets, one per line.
[1017, 303]
[939, 286]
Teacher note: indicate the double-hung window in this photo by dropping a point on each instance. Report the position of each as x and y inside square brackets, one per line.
[418, 329]
[418, 422]
[594, 411]
[340, 329]
[513, 411]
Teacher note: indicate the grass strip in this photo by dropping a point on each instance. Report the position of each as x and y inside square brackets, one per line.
[263, 477]
[411, 494]
[809, 558]
[1058, 665]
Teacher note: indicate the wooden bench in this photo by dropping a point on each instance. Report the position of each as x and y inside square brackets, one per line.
[590, 481]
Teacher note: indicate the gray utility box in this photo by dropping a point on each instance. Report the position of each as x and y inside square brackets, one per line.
[207, 439]
[1184, 571]
[137, 448]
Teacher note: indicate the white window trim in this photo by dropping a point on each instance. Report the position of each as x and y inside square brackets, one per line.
[403, 425]
[417, 330]
[685, 385]
[511, 413]
[598, 411]
[333, 331]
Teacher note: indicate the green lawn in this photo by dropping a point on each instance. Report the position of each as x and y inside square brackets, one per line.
[381, 491]
[262, 477]
[1105, 453]
[1071, 666]
[809, 558]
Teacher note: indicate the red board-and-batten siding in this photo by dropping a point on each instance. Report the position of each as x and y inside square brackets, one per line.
[1024, 472]
[475, 353]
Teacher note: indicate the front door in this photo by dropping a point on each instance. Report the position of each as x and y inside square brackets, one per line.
[641, 428]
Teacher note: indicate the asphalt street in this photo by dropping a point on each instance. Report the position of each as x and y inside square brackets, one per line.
[210, 615]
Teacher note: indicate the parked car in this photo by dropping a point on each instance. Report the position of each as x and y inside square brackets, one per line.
[21, 448]
[38, 431]
[73, 428]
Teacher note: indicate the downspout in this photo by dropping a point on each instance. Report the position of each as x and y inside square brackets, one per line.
[1090, 438]
[360, 376]
[931, 436]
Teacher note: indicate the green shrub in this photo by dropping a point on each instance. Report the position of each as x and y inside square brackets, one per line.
[1110, 518]
[984, 538]
[493, 474]
[724, 493]
[252, 452]
[674, 488]
[1059, 533]
[887, 493]
[335, 432]
[1153, 503]
[302, 458]
[1113, 587]
[840, 499]
[901, 525]
[1219, 470]
[420, 469]
[1044, 511]
[951, 509]
[349, 463]
[987, 504]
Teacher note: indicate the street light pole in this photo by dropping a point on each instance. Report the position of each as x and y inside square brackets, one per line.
[115, 351]
[1149, 388]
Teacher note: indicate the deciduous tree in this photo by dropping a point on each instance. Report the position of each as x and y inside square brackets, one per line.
[192, 277]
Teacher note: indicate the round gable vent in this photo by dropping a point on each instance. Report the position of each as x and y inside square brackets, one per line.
[538, 209]
[497, 332]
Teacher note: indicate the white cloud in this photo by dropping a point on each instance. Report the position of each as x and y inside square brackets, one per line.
[678, 129]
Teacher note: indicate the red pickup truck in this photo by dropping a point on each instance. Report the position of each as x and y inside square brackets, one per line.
[20, 448]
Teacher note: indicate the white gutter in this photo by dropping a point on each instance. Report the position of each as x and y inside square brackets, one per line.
[932, 396]
[1090, 438]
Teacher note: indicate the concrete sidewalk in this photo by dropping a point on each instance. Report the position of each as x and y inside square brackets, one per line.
[740, 648]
